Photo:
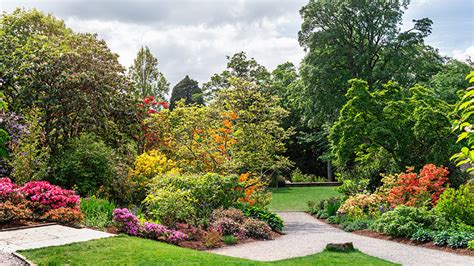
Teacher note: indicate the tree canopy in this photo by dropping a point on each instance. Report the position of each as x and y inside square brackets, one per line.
[188, 90]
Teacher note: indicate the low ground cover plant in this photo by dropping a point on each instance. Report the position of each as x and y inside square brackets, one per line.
[97, 212]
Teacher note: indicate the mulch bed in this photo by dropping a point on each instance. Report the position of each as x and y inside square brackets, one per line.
[20, 225]
[430, 245]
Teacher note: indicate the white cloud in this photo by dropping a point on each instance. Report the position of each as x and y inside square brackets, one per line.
[197, 50]
[464, 54]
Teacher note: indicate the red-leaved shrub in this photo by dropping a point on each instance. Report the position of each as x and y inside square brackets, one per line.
[412, 189]
[67, 216]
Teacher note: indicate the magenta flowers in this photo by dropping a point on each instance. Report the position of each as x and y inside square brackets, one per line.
[129, 224]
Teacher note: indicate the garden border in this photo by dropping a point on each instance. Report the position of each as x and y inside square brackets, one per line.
[26, 227]
[22, 258]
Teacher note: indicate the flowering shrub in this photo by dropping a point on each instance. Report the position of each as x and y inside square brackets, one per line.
[13, 212]
[257, 229]
[361, 205]
[9, 190]
[272, 219]
[50, 196]
[412, 189]
[228, 226]
[231, 213]
[252, 186]
[69, 216]
[146, 166]
[130, 224]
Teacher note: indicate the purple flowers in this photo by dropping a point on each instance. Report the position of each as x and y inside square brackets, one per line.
[129, 224]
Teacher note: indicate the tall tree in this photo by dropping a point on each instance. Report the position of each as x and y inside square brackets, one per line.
[148, 80]
[73, 78]
[187, 89]
[238, 66]
[449, 83]
[347, 39]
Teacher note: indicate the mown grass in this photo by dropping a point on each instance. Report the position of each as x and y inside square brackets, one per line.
[296, 198]
[125, 250]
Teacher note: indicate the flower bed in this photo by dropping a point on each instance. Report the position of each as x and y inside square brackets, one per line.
[37, 201]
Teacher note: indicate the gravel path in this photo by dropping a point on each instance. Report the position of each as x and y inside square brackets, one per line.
[305, 235]
[9, 259]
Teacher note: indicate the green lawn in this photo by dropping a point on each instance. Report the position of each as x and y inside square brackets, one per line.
[296, 198]
[125, 250]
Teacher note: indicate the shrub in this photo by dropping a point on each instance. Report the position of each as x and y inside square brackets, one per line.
[190, 198]
[231, 213]
[146, 166]
[86, 162]
[333, 219]
[459, 239]
[422, 235]
[404, 221]
[49, 196]
[272, 219]
[441, 238]
[9, 191]
[257, 229]
[298, 176]
[457, 204]
[322, 214]
[131, 225]
[412, 189]
[194, 232]
[355, 225]
[351, 187]
[229, 239]
[68, 216]
[470, 244]
[361, 205]
[315, 206]
[212, 238]
[10, 212]
[227, 226]
[97, 212]
[331, 205]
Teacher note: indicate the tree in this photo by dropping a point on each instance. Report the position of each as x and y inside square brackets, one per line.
[386, 130]
[187, 89]
[148, 80]
[73, 78]
[449, 83]
[347, 39]
[238, 66]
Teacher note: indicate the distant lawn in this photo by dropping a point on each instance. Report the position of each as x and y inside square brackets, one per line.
[296, 198]
[124, 250]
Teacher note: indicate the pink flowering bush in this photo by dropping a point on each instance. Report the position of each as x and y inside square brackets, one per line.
[9, 190]
[130, 224]
[50, 196]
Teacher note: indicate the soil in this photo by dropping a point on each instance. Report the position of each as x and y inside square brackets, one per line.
[199, 245]
[18, 225]
[430, 245]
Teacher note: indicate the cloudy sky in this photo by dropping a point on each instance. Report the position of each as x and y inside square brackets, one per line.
[193, 37]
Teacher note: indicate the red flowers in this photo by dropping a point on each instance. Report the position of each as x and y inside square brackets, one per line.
[151, 106]
[50, 195]
[412, 189]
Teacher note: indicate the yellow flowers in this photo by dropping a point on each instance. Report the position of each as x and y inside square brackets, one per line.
[152, 163]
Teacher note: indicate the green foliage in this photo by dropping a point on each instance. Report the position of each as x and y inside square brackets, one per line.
[85, 163]
[238, 66]
[229, 239]
[30, 155]
[352, 187]
[404, 221]
[298, 176]
[272, 219]
[458, 204]
[148, 80]
[258, 131]
[449, 83]
[470, 244]
[422, 235]
[339, 48]
[441, 238]
[459, 239]
[188, 90]
[73, 78]
[388, 129]
[324, 208]
[4, 137]
[97, 212]
[463, 124]
[351, 225]
[190, 198]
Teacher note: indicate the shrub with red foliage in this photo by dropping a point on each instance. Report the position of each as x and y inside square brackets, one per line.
[67, 216]
[50, 196]
[412, 189]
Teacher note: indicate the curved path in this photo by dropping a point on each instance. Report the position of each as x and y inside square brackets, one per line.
[305, 235]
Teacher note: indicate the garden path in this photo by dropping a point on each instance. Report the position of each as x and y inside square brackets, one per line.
[305, 235]
[45, 236]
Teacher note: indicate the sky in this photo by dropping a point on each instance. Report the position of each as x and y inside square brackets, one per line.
[193, 37]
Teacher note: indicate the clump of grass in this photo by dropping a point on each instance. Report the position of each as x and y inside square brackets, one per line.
[97, 212]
